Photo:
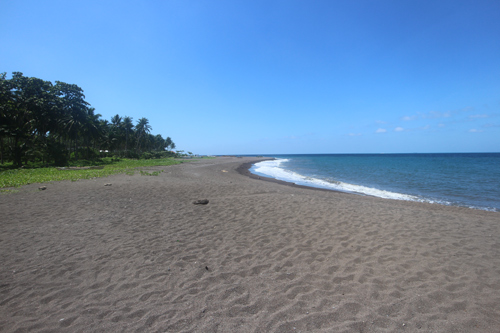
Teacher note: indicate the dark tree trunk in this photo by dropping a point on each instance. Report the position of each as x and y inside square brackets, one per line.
[1, 150]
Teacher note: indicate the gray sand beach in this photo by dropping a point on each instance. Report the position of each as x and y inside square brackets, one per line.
[261, 256]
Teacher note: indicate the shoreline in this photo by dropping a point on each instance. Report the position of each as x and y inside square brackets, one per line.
[138, 255]
[244, 169]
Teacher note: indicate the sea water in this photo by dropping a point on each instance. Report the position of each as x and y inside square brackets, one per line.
[468, 180]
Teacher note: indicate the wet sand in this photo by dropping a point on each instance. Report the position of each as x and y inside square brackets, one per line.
[261, 256]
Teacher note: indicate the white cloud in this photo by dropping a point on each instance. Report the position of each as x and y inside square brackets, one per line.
[354, 134]
[478, 116]
[381, 130]
[473, 130]
[399, 129]
[437, 114]
[380, 122]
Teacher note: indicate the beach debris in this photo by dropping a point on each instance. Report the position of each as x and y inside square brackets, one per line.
[41, 188]
[201, 202]
[224, 171]
[107, 184]
[206, 267]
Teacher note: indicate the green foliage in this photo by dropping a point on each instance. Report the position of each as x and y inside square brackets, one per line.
[17, 177]
[57, 152]
[52, 124]
[154, 173]
[86, 153]
[157, 155]
[8, 191]
[147, 156]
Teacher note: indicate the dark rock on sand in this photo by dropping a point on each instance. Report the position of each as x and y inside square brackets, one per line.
[201, 202]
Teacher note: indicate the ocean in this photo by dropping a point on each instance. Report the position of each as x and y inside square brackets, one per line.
[457, 179]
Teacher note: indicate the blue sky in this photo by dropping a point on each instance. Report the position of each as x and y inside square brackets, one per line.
[271, 77]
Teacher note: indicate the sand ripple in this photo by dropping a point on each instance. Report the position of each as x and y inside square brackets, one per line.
[138, 256]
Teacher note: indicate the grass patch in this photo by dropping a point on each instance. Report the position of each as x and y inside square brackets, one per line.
[18, 177]
[8, 191]
[154, 173]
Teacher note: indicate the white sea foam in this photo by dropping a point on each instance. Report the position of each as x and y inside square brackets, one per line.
[273, 169]
[276, 169]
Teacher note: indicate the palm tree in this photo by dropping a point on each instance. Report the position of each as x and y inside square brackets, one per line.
[93, 130]
[117, 134]
[107, 139]
[72, 125]
[74, 108]
[128, 126]
[159, 143]
[142, 128]
[116, 120]
[168, 142]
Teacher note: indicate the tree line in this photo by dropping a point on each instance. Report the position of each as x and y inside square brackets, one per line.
[53, 124]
